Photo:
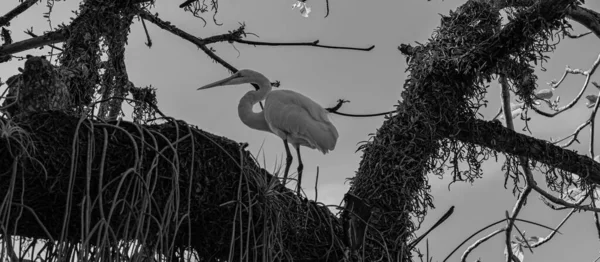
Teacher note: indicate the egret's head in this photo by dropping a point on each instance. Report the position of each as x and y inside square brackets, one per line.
[242, 76]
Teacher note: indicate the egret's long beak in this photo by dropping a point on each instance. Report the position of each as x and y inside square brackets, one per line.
[220, 82]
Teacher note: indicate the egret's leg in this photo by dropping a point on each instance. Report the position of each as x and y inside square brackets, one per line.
[288, 160]
[300, 168]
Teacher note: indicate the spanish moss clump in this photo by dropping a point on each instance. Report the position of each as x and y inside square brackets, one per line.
[103, 188]
[448, 78]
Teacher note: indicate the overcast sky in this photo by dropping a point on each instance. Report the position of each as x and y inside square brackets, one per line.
[372, 81]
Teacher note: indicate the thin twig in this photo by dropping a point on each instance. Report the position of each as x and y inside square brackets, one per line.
[573, 136]
[596, 219]
[588, 74]
[316, 185]
[186, 3]
[562, 202]
[491, 225]
[313, 43]
[472, 247]
[448, 213]
[576, 36]
[195, 40]
[149, 42]
[334, 110]
[505, 94]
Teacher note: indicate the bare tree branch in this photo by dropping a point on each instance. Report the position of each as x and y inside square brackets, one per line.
[576, 36]
[236, 36]
[46, 39]
[5, 19]
[34, 35]
[588, 75]
[340, 102]
[186, 3]
[477, 243]
[505, 95]
[497, 137]
[199, 42]
[586, 17]
[313, 43]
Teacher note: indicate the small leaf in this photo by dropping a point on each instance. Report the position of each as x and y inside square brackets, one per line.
[544, 94]
[534, 240]
[517, 112]
[591, 100]
[304, 9]
[574, 195]
[517, 250]
[596, 196]
[514, 106]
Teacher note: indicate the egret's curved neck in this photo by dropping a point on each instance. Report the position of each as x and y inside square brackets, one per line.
[245, 112]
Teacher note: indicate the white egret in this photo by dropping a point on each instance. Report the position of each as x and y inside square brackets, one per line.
[293, 117]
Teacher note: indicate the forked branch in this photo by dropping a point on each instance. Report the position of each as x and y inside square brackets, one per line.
[588, 74]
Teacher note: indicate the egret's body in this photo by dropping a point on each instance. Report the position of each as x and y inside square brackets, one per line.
[293, 117]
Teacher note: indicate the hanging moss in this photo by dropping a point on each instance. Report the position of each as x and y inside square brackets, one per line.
[448, 79]
[169, 186]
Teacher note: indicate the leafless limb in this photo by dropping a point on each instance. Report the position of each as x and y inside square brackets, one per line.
[477, 243]
[439, 222]
[236, 36]
[524, 163]
[317, 185]
[596, 219]
[586, 17]
[491, 225]
[592, 119]
[530, 185]
[313, 43]
[46, 39]
[588, 74]
[22, 7]
[560, 201]
[334, 110]
[553, 232]
[149, 42]
[576, 36]
[556, 84]
[573, 136]
[200, 43]
[29, 32]
[186, 3]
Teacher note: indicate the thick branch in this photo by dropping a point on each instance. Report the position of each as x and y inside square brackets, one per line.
[46, 39]
[499, 138]
[586, 17]
[5, 19]
[129, 174]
